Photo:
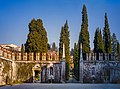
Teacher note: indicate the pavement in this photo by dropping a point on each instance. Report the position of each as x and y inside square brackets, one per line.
[61, 86]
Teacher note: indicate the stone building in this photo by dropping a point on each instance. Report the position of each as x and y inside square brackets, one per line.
[16, 67]
[105, 69]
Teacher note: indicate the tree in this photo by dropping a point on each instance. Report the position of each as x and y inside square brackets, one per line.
[48, 46]
[107, 37]
[84, 34]
[76, 61]
[37, 37]
[43, 36]
[61, 41]
[54, 48]
[118, 49]
[98, 43]
[114, 45]
[22, 51]
[33, 38]
[72, 52]
[64, 38]
[67, 50]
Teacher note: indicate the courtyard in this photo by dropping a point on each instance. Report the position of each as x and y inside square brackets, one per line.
[61, 86]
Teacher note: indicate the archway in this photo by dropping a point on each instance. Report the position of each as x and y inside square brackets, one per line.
[36, 73]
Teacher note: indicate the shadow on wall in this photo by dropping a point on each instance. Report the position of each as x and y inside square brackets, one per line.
[30, 80]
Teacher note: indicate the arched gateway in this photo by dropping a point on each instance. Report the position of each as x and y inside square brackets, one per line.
[36, 73]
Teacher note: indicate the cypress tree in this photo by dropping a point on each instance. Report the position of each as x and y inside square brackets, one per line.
[107, 37]
[61, 41]
[22, 51]
[43, 36]
[118, 49]
[76, 62]
[64, 38]
[114, 44]
[54, 48]
[37, 37]
[84, 34]
[98, 43]
[67, 50]
[33, 37]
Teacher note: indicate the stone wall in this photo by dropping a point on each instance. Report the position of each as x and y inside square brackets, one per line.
[24, 72]
[5, 72]
[17, 56]
[101, 71]
[16, 67]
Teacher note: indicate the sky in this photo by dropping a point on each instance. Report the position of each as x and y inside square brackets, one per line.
[15, 15]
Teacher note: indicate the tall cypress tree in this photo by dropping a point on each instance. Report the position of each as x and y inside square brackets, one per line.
[76, 62]
[33, 37]
[61, 41]
[114, 44]
[43, 36]
[37, 37]
[67, 49]
[64, 38]
[84, 34]
[98, 43]
[118, 48]
[107, 36]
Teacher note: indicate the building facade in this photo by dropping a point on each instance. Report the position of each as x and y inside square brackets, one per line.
[23, 67]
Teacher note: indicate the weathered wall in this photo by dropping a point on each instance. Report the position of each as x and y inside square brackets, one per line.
[24, 72]
[101, 72]
[5, 72]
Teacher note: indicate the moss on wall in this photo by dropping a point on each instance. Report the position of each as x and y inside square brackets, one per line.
[6, 73]
[24, 72]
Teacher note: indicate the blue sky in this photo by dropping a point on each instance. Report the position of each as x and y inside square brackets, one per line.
[15, 16]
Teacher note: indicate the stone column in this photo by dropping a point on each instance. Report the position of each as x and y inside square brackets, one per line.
[31, 56]
[13, 56]
[14, 71]
[8, 54]
[106, 56]
[87, 58]
[18, 56]
[37, 56]
[43, 56]
[1, 52]
[94, 56]
[112, 57]
[63, 65]
[5, 53]
[81, 65]
[25, 56]
[101, 56]
[63, 56]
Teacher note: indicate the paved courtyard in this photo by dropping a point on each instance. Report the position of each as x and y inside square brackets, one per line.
[62, 86]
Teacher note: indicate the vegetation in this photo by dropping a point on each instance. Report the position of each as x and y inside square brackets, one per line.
[76, 61]
[64, 38]
[98, 42]
[37, 37]
[115, 45]
[84, 34]
[107, 36]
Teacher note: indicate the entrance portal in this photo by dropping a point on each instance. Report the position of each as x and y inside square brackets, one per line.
[36, 73]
